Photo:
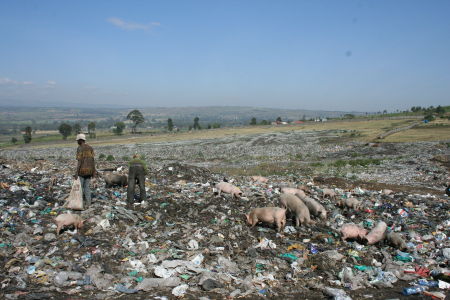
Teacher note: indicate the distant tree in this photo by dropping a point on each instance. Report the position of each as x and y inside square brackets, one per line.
[13, 140]
[136, 117]
[169, 124]
[216, 125]
[349, 116]
[265, 122]
[384, 111]
[253, 121]
[120, 126]
[27, 135]
[429, 117]
[76, 128]
[278, 120]
[190, 127]
[65, 130]
[209, 126]
[440, 110]
[196, 125]
[91, 130]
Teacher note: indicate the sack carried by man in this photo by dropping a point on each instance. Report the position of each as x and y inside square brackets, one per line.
[75, 199]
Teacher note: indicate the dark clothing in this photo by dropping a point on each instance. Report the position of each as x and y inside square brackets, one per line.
[86, 163]
[136, 174]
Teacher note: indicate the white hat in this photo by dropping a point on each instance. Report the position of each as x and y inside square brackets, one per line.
[81, 137]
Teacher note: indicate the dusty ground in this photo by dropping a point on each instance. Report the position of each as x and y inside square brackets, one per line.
[182, 207]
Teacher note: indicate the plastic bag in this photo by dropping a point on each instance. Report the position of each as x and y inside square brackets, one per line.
[75, 199]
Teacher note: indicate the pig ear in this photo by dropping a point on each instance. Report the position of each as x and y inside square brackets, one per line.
[247, 217]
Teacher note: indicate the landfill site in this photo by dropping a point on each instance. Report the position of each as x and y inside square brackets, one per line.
[283, 215]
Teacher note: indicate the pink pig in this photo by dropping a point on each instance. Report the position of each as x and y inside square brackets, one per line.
[315, 208]
[377, 234]
[229, 188]
[329, 192]
[68, 220]
[295, 205]
[294, 191]
[352, 231]
[267, 215]
[260, 179]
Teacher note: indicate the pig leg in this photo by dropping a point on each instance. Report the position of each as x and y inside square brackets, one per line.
[58, 229]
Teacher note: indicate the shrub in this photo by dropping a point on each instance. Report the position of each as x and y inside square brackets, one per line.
[102, 156]
[110, 157]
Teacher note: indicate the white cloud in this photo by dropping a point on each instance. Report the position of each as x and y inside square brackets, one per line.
[131, 25]
[7, 81]
[50, 84]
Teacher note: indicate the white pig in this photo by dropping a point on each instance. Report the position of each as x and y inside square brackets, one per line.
[229, 189]
[352, 231]
[293, 191]
[377, 234]
[68, 220]
[315, 208]
[269, 215]
[295, 205]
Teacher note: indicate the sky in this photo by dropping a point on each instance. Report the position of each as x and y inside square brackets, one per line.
[320, 55]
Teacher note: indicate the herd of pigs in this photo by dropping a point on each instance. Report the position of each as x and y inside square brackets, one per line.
[295, 202]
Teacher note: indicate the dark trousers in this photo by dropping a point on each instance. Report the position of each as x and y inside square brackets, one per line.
[136, 175]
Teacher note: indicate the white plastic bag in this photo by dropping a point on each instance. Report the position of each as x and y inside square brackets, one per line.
[75, 199]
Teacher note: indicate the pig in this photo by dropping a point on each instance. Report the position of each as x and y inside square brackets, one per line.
[352, 231]
[293, 191]
[396, 240]
[387, 192]
[229, 188]
[260, 179]
[269, 215]
[350, 203]
[377, 233]
[329, 192]
[68, 220]
[295, 205]
[112, 179]
[315, 208]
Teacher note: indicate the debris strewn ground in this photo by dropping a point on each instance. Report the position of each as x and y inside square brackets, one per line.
[186, 241]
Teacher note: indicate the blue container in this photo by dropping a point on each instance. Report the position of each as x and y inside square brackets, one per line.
[413, 290]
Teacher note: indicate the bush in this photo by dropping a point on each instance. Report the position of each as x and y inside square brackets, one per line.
[13, 140]
[429, 117]
[110, 157]
[125, 158]
[102, 156]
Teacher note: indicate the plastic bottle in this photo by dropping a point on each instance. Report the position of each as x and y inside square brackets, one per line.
[414, 290]
[428, 283]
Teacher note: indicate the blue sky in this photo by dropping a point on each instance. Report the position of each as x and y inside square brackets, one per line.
[321, 55]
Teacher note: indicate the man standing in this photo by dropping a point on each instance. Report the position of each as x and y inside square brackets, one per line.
[85, 167]
[136, 174]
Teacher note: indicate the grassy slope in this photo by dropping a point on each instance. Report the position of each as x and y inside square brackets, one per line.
[362, 130]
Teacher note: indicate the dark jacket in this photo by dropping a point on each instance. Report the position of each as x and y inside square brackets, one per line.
[86, 163]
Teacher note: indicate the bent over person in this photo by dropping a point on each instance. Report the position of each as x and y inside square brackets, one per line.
[85, 167]
[136, 174]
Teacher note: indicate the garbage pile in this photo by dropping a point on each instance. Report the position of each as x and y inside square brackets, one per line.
[186, 240]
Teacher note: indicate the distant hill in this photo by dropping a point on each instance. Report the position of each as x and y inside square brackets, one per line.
[155, 116]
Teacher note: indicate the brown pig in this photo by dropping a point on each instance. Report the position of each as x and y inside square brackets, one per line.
[229, 189]
[260, 179]
[112, 179]
[377, 233]
[294, 191]
[396, 240]
[315, 208]
[295, 205]
[329, 193]
[350, 203]
[352, 231]
[269, 215]
[68, 220]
